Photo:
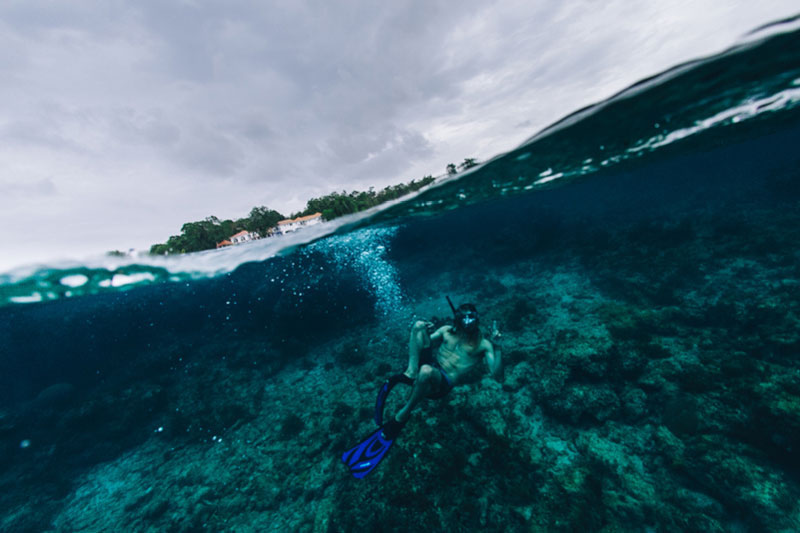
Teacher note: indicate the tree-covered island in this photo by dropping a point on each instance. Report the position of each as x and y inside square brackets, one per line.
[206, 233]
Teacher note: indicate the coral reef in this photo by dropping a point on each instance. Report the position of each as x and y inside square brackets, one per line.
[651, 384]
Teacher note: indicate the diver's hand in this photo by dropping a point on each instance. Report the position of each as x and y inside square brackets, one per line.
[495, 332]
[421, 325]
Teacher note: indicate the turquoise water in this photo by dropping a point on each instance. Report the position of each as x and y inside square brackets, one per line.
[639, 257]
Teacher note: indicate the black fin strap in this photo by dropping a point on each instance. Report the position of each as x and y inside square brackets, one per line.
[384, 391]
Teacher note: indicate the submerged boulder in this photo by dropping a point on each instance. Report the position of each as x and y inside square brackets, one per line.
[579, 403]
[53, 396]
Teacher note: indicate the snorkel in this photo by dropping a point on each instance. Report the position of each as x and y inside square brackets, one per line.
[452, 307]
[465, 318]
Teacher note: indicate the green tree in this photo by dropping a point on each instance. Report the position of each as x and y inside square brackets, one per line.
[262, 219]
[451, 169]
[205, 234]
[197, 236]
[343, 203]
[468, 163]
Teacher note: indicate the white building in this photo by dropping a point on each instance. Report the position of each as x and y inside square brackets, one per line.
[293, 224]
[243, 236]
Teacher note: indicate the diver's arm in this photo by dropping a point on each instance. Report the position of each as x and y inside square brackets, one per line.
[419, 333]
[439, 333]
[494, 361]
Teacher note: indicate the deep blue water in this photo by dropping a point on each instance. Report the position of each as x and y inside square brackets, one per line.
[647, 195]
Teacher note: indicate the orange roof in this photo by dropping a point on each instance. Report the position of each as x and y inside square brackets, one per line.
[299, 219]
[243, 232]
[226, 242]
[308, 217]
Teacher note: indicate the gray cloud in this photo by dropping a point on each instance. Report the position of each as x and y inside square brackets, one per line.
[184, 109]
[142, 127]
[36, 189]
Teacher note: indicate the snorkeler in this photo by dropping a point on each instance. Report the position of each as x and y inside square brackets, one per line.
[462, 348]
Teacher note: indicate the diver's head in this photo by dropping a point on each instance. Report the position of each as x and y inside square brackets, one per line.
[466, 319]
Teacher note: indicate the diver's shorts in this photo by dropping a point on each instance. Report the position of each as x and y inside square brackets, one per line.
[445, 384]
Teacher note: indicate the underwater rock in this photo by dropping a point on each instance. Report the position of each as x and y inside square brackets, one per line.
[657, 374]
[518, 376]
[520, 311]
[6, 451]
[696, 377]
[549, 380]
[671, 447]
[586, 363]
[700, 512]
[630, 362]
[634, 403]
[52, 396]
[628, 491]
[728, 414]
[585, 403]
[776, 416]
[738, 364]
[571, 501]
[482, 406]
[291, 426]
[6, 423]
[739, 477]
[352, 354]
[682, 414]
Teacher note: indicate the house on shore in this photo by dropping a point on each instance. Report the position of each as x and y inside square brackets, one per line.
[244, 236]
[293, 224]
[284, 226]
[239, 238]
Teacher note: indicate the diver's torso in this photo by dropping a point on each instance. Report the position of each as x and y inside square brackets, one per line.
[457, 356]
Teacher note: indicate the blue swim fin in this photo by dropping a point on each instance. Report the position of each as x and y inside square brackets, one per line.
[365, 456]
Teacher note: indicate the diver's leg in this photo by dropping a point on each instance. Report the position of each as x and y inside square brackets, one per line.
[418, 340]
[427, 381]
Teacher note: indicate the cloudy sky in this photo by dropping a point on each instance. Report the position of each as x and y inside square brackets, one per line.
[121, 120]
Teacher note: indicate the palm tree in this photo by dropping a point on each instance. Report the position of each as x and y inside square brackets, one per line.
[468, 163]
